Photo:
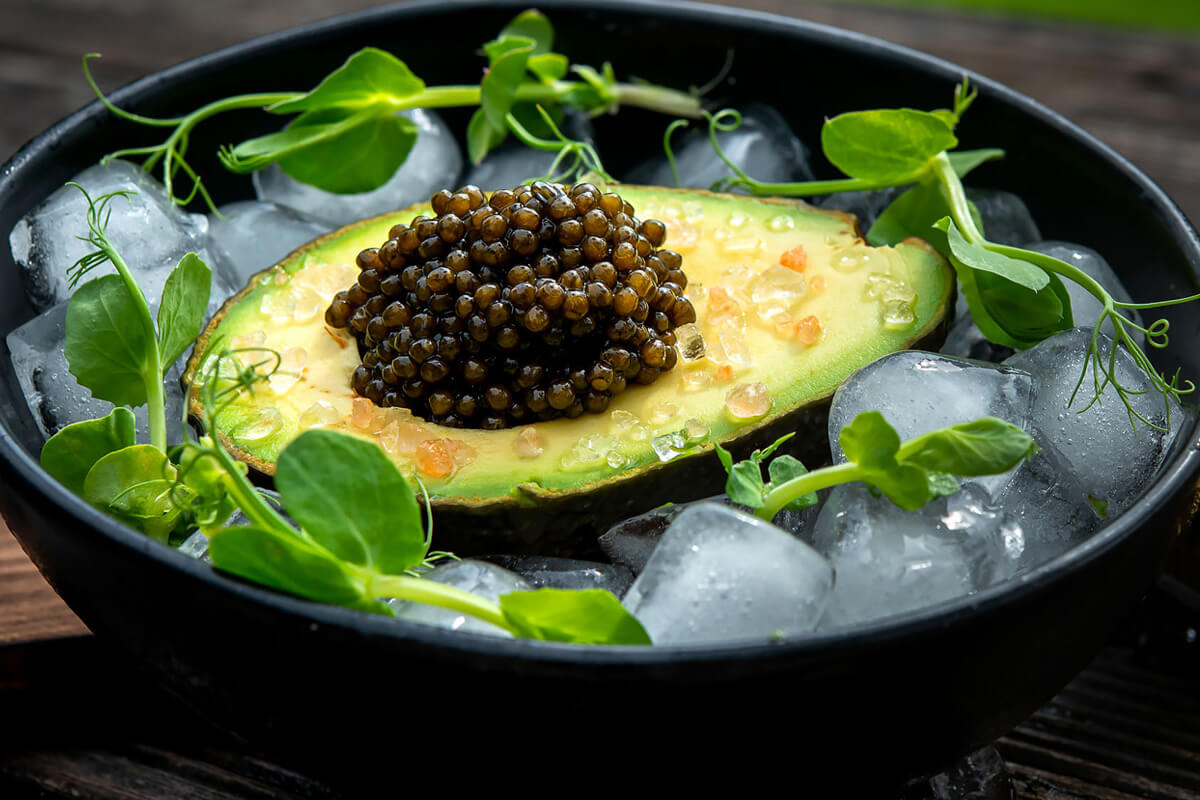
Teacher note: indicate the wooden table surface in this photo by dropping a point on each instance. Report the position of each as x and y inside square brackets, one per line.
[1136, 91]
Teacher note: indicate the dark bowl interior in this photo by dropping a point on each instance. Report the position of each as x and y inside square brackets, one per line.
[912, 692]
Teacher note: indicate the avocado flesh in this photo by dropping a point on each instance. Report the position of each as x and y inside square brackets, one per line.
[862, 296]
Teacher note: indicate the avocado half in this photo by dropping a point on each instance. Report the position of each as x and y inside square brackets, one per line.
[789, 299]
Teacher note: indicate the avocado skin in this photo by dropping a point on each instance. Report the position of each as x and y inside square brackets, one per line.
[533, 520]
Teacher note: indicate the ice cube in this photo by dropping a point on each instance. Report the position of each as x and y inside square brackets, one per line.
[631, 542]
[866, 205]
[764, 147]
[889, 561]
[149, 233]
[1050, 505]
[196, 546]
[1113, 459]
[478, 577]
[55, 398]
[1085, 308]
[433, 163]
[515, 163]
[547, 572]
[918, 392]
[719, 575]
[251, 236]
[1006, 220]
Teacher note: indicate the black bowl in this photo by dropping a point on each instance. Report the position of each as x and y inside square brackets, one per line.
[909, 693]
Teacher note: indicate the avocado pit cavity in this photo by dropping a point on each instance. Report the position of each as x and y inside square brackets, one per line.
[538, 302]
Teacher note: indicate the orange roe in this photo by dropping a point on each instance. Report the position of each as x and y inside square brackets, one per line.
[724, 372]
[720, 303]
[808, 330]
[434, 458]
[795, 259]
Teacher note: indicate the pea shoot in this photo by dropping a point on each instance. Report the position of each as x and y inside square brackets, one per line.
[348, 135]
[1015, 296]
[909, 473]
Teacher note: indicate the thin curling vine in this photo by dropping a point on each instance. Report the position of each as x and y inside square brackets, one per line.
[348, 136]
[1015, 296]
[574, 157]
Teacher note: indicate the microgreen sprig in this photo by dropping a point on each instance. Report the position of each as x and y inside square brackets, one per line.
[574, 157]
[909, 473]
[348, 135]
[1016, 296]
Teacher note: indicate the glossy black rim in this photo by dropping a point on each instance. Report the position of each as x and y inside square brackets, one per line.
[26, 476]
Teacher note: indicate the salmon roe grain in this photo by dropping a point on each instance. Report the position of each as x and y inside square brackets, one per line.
[795, 259]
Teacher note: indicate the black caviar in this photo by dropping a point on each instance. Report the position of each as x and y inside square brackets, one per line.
[539, 302]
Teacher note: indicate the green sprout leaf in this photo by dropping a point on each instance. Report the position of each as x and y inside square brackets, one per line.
[181, 311]
[533, 25]
[287, 563]
[370, 78]
[69, 454]
[349, 496]
[134, 484]
[590, 616]
[969, 449]
[106, 346]
[980, 258]
[785, 468]
[886, 144]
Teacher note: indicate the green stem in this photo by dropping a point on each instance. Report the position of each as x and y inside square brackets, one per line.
[420, 590]
[960, 207]
[779, 496]
[152, 371]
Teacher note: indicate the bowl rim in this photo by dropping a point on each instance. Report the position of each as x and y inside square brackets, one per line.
[1182, 466]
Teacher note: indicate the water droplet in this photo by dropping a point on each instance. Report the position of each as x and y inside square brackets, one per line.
[615, 459]
[781, 223]
[263, 424]
[668, 445]
[695, 430]
[850, 259]
[898, 315]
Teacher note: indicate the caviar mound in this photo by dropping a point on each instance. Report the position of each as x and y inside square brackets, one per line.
[789, 300]
[539, 302]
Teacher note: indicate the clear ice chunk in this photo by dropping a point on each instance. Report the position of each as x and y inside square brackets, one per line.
[764, 147]
[1085, 308]
[196, 546]
[918, 392]
[514, 163]
[251, 236]
[720, 575]
[478, 577]
[889, 561]
[631, 542]
[148, 231]
[55, 398]
[434, 162]
[1006, 219]
[548, 572]
[1113, 458]
[1050, 506]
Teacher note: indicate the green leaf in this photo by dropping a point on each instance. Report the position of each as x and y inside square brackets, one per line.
[349, 496]
[869, 441]
[70, 453]
[760, 455]
[885, 144]
[498, 89]
[724, 456]
[531, 24]
[978, 257]
[745, 484]
[782, 470]
[943, 485]
[134, 484]
[105, 345]
[333, 150]
[288, 563]
[369, 78]
[482, 138]
[964, 161]
[986, 446]
[549, 67]
[181, 311]
[590, 616]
